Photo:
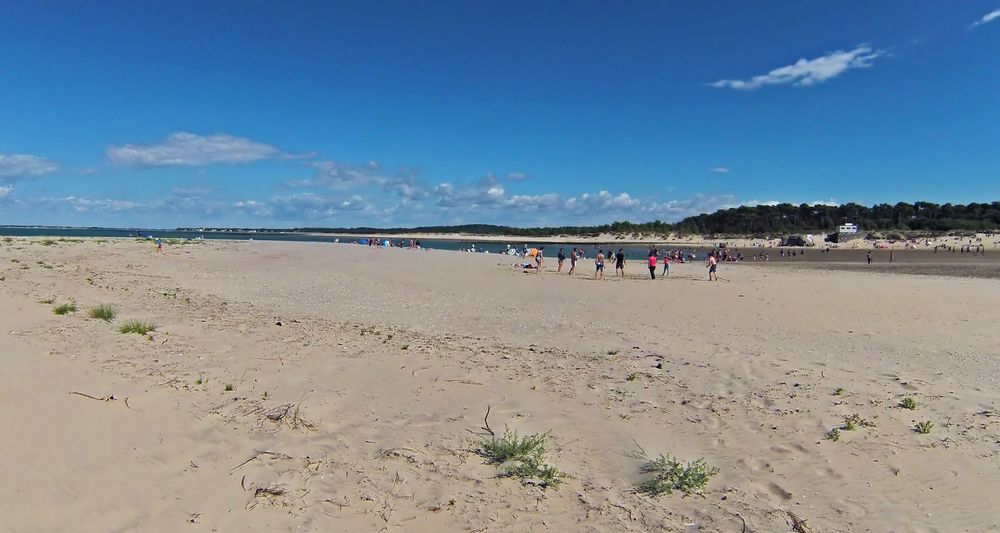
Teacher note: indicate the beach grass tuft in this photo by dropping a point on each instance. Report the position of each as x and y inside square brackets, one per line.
[632, 377]
[47, 301]
[667, 474]
[103, 312]
[136, 326]
[833, 434]
[924, 428]
[64, 309]
[908, 403]
[839, 391]
[229, 387]
[519, 456]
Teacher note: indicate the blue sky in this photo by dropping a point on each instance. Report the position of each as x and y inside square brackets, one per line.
[413, 113]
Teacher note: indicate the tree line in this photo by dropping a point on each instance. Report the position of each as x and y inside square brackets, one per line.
[761, 220]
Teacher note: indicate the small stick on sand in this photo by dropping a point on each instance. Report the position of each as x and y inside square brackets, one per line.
[798, 524]
[486, 420]
[258, 454]
[107, 398]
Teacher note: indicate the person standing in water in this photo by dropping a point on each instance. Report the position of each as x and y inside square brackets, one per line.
[599, 265]
[713, 266]
[620, 263]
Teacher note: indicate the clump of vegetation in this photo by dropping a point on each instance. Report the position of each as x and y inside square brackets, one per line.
[833, 434]
[229, 387]
[103, 312]
[908, 403]
[404, 347]
[924, 427]
[520, 457]
[612, 352]
[47, 301]
[854, 421]
[632, 377]
[667, 474]
[48, 242]
[839, 391]
[64, 309]
[136, 326]
[199, 381]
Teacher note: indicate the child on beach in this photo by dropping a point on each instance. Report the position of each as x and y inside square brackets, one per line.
[713, 265]
[159, 245]
[666, 265]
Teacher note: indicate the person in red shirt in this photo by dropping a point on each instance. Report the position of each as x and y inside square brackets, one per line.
[666, 264]
[652, 265]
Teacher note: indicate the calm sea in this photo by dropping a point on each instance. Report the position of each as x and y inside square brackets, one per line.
[435, 244]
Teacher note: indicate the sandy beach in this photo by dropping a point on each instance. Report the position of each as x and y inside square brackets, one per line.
[330, 387]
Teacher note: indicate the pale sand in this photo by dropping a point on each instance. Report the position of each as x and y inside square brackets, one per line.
[749, 366]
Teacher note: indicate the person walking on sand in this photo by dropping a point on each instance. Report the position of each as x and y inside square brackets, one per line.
[559, 260]
[572, 261]
[713, 265]
[892, 255]
[666, 265]
[869, 257]
[620, 263]
[599, 265]
[652, 264]
[159, 245]
[538, 260]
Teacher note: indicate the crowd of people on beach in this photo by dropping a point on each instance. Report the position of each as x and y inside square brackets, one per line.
[532, 259]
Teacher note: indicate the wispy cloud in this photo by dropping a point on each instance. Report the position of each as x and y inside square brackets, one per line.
[806, 72]
[720, 170]
[16, 166]
[6, 192]
[517, 176]
[183, 148]
[344, 176]
[989, 17]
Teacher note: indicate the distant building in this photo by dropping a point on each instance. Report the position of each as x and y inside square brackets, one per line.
[845, 232]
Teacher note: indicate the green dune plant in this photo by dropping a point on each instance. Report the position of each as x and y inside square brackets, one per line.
[519, 456]
[136, 326]
[908, 403]
[924, 428]
[103, 312]
[64, 309]
[665, 474]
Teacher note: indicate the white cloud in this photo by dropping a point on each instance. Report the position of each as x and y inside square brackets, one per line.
[16, 166]
[345, 177]
[517, 176]
[191, 149]
[719, 170]
[675, 210]
[806, 72]
[6, 192]
[601, 203]
[989, 17]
